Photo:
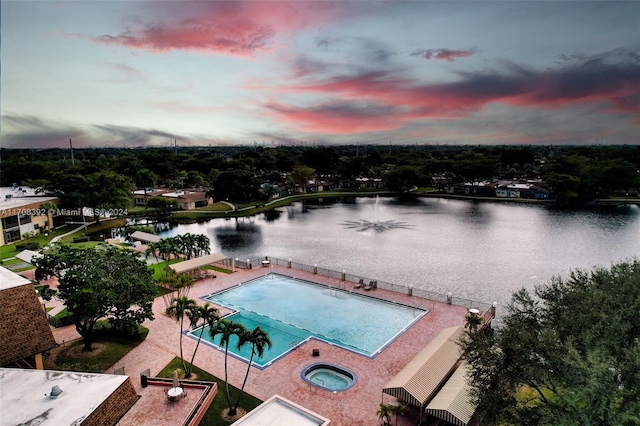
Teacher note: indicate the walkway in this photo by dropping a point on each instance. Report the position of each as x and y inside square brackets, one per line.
[356, 406]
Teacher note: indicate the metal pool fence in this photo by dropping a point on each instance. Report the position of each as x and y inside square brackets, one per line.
[344, 276]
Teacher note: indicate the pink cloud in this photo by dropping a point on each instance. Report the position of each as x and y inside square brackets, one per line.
[442, 54]
[241, 28]
[391, 101]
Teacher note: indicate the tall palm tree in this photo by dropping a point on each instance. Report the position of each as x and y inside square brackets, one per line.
[179, 307]
[259, 341]
[208, 315]
[226, 329]
[203, 244]
[152, 249]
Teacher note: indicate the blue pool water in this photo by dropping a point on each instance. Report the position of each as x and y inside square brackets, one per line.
[292, 310]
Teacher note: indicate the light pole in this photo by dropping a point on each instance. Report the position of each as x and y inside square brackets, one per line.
[46, 238]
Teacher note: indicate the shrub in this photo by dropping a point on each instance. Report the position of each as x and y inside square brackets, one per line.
[27, 246]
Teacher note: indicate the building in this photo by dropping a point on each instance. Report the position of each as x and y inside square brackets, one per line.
[24, 330]
[30, 397]
[185, 199]
[21, 213]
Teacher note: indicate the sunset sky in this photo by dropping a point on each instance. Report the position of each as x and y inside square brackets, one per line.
[143, 73]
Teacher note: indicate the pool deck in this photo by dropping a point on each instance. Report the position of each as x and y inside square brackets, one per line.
[355, 406]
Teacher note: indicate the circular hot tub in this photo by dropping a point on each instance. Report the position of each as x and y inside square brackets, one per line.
[329, 377]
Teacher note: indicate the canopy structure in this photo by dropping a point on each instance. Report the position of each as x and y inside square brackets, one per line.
[453, 403]
[145, 237]
[418, 381]
[198, 262]
[28, 256]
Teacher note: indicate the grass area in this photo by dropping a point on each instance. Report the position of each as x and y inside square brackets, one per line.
[108, 349]
[216, 207]
[8, 263]
[262, 206]
[213, 417]
[103, 228]
[158, 268]
[217, 269]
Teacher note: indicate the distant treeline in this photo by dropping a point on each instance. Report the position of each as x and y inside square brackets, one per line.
[573, 172]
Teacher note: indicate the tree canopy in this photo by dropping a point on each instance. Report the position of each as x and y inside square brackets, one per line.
[568, 354]
[99, 283]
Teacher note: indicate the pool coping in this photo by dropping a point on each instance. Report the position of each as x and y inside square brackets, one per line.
[233, 310]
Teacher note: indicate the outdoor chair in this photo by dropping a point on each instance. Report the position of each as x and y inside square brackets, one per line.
[368, 286]
[359, 283]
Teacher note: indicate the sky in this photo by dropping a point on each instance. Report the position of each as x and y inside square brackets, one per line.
[211, 73]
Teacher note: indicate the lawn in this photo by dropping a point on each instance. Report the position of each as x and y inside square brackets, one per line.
[108, 349]
[213, 417]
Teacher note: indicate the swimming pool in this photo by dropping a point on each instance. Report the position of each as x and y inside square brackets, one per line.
[292, 311]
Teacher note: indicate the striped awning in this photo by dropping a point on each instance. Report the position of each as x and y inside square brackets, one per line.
[453, 403]
[198, 262]
[418, 381]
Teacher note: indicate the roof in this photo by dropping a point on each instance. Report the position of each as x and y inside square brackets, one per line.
[144, 236]
[25, 331]
[277, 411]
[198, 262]
[12, 198]
[453, 403]
[23, 400]
[28, 255]
[10, 279]
[418, 381]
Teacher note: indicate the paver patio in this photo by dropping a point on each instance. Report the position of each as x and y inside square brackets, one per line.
[355, 406]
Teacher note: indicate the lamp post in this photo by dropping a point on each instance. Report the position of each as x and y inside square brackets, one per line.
[46, 238]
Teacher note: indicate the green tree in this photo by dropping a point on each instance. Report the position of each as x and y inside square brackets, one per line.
[568, 354]
[227, 329]
[239, 186]
[146, 179]
[178, 309]
[201, 316]
[99, 283]
[300, 175]
[403, 178]
[259, 341]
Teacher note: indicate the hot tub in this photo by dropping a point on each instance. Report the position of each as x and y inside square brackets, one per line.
[329, 376]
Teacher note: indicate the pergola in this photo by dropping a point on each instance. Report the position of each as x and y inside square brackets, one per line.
[145, 237]
[197, 263]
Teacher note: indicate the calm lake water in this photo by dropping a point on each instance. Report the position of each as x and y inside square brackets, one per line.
[477, 250]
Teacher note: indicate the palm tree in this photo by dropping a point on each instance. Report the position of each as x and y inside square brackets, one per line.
[203, 244]
[152, 249]
[226, 329]
[472, 321]
[208, 314]
[384, 414]
[259, 340]
[178, 309]
[396, 410]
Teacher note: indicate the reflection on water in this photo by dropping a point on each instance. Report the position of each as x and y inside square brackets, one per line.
[482, 251]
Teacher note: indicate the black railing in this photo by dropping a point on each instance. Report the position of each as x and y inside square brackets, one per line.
[344, 276]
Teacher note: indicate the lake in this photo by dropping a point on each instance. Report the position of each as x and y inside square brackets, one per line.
[477, 250]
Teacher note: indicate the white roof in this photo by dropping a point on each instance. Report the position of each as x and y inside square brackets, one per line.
[23, 400]
[11, 197]
[278, 411]
[28, 255]
[10, 279]
[145, 236]
[197, 262]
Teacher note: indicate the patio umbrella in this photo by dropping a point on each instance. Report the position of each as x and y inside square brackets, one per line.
[176, 383]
